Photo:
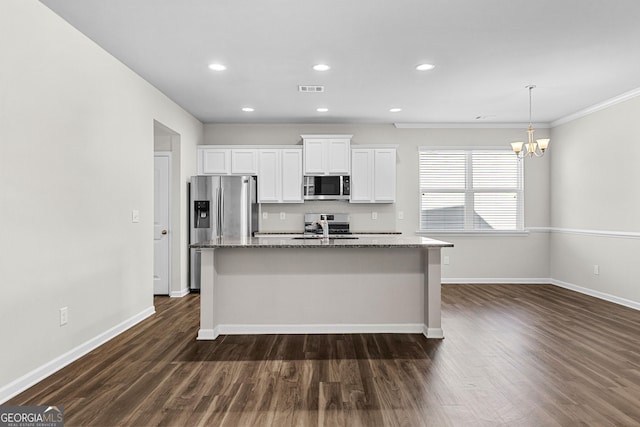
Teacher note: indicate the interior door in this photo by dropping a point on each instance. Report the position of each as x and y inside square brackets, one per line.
[161, 225]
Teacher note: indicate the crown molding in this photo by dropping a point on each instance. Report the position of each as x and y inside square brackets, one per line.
[597, 107]
[470, 125]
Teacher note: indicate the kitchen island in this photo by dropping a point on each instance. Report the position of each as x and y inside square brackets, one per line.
[267, 285]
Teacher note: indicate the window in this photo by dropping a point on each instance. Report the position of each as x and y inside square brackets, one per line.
[470, 190]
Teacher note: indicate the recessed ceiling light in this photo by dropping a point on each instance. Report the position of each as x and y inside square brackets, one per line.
[217, 67]
[321, 67]
[425, 67]
[248, 109]
[395, 110]
[322, 109]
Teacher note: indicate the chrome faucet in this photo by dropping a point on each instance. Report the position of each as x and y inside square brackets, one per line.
[324, 224]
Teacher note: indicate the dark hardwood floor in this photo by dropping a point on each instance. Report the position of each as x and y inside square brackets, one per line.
[514, 355]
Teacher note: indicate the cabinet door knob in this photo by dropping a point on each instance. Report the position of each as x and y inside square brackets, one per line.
[164, 231]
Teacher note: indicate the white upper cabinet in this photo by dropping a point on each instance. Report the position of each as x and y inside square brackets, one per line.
[225, 160]
[244, 161]
[373, 175]
[292, 175]
[314, 157]
[214, 161]
[269, 176]
[339, 156]
[361, 174]
[327, 154]
[384, 175]
[280, 168]
[280, 175]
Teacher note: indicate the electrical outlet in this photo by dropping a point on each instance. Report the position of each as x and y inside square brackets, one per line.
[265, 215]
[596, 269]
[374, 215]
[400, 215]
[64, 316]
[445, 260]
[282, 215]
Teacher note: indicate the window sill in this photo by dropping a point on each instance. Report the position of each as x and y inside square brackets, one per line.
[493, 233]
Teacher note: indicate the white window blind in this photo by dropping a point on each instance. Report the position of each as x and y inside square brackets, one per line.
[470, 190]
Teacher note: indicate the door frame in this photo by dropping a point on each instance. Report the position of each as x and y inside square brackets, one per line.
[167, 154]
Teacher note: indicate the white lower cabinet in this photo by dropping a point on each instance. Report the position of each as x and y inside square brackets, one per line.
[373, 175]
[280, 175]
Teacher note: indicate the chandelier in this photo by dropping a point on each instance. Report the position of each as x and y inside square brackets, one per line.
[531, 148]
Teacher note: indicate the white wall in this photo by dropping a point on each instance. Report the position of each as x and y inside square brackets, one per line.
[475, 258]
[76, 157]
[595, 203]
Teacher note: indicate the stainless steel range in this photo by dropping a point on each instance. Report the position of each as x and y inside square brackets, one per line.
[338, 224]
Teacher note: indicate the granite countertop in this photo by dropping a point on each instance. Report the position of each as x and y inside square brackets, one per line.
[290, 242]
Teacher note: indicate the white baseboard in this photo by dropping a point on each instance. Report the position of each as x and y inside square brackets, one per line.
[179, 294]
[597, 294]
[498, 281]
[406, 328]
[24, 382]
[436, 333]
[208, 334]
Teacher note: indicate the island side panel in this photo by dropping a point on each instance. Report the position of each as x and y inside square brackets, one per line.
[320, 290]
[432, 293]
[208, 316]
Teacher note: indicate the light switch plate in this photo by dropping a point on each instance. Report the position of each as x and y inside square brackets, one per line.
[64, 316]
[135, 215]
[282, 215]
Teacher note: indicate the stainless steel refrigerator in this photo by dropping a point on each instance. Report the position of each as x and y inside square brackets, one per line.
[220, 206]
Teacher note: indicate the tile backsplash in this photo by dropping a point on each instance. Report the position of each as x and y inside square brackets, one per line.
[360, 215]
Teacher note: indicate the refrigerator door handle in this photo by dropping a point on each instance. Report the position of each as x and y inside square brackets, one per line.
[218, 231]
[221, 204]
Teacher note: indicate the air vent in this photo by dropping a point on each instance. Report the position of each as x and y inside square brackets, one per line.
[310, 89]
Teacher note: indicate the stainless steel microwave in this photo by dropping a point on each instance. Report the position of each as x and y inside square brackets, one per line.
[327, 187]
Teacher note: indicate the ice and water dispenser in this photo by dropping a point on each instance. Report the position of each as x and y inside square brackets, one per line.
[202, 214]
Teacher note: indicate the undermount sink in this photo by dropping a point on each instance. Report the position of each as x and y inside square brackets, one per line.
[320, 237]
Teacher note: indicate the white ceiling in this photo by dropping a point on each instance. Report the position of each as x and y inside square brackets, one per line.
[578, 53]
